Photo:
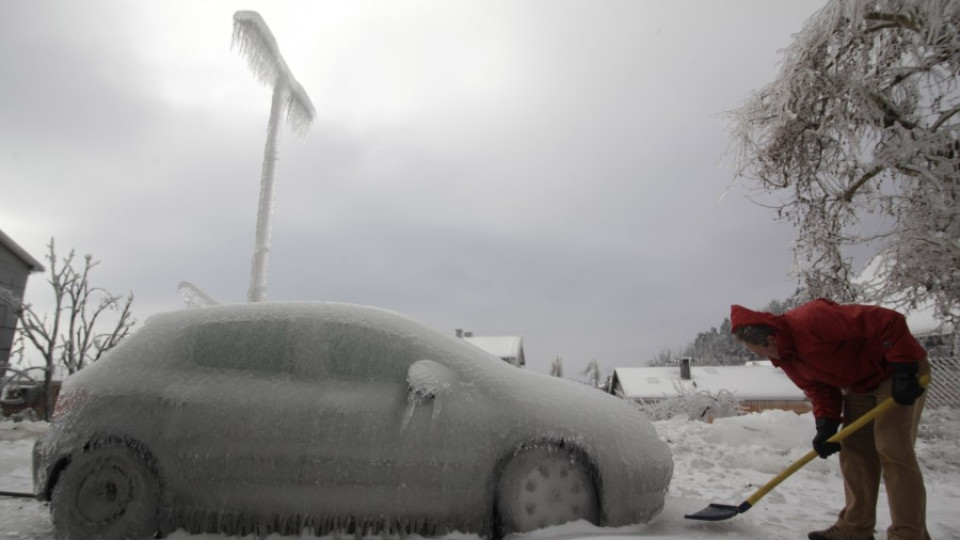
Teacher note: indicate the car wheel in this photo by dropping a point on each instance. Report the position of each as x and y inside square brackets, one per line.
[544, 486]
[108, 493]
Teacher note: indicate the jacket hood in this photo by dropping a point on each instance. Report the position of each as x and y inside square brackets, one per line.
[741, 316]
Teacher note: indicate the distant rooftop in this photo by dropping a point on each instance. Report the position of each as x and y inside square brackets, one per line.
[754, 381]
[507, 348]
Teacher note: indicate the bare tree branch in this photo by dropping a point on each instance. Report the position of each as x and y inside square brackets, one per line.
[947, 115]
[892, 20]
[852, 190]
[71, 337]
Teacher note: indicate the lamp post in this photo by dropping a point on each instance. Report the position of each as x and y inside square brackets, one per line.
[257, 46]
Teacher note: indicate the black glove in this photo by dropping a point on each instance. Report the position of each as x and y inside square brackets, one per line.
[906, 389]
[826, 428]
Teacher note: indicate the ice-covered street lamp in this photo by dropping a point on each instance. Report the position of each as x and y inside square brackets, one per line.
[255, 43]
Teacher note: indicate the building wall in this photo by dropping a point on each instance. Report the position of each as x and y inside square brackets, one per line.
[799, 407]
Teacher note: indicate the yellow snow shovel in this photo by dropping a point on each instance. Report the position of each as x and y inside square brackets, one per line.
[720, 512]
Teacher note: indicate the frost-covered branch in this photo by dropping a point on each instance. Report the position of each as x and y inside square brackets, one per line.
[255, 44]
[947, 115]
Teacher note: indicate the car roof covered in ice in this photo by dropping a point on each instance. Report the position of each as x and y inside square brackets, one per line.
[386, 328]
[338, 311]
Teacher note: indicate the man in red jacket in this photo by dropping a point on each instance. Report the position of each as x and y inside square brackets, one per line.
[847, 359]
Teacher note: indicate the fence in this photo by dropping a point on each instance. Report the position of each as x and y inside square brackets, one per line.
[944, 389]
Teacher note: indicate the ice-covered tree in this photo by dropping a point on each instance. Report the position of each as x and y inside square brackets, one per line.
[665, 357]
[778, 307]
[694, 404]
[717, 347]
[256, 44]
[79, 329]
[556, 367]
[593, 373]
[861, 127]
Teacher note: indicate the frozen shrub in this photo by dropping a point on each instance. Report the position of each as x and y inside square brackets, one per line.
[694, 404]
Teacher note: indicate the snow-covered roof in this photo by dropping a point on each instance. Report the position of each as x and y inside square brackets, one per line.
[499, 346]
[20, 253]
[754, 381]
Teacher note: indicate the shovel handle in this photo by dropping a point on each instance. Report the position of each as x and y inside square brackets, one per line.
[839, 436]
[20, 494]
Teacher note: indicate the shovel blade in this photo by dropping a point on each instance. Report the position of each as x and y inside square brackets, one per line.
[715, 512]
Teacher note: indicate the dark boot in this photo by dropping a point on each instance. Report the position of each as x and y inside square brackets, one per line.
[834, 533]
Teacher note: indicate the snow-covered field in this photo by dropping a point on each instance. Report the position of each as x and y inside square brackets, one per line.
[723, 462]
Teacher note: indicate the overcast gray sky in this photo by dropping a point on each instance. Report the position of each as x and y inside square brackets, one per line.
[553, 169]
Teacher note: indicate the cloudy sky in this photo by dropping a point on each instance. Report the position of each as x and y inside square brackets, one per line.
[553, 169]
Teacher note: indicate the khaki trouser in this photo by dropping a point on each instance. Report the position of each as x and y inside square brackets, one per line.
[885, 446]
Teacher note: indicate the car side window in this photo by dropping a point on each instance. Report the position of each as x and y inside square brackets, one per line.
[338, 350]
[247, 345]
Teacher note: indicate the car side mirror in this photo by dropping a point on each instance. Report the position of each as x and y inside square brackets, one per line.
[428, 379]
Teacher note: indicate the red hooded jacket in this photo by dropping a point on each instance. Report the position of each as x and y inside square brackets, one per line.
[825, 347]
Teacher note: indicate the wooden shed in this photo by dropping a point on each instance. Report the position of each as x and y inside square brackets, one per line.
[15, 266]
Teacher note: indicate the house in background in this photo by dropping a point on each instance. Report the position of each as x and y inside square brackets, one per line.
[507, 348]
[15, 266]
[757, 386]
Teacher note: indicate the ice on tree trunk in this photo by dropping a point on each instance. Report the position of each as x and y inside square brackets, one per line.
[256, 44]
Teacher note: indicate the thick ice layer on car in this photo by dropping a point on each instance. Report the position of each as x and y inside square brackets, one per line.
[315, 414]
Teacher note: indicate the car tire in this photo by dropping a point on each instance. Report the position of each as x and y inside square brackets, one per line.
[108, 493]
[544, 486]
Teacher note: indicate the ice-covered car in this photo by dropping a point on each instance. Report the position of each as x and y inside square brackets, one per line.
[324, 417]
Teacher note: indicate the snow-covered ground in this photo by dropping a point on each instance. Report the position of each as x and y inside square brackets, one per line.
[723, 462]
